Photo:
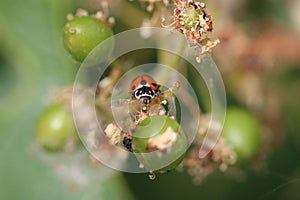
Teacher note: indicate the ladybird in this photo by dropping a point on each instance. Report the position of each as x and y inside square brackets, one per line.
[144, 88]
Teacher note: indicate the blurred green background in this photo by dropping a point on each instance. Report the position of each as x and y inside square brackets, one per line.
[259, 58]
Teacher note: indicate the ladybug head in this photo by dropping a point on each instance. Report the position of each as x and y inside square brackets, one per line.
[145, 94]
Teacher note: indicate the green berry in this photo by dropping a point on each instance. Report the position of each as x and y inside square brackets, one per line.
[242, 131]
[55, 128]
[82, 34]
[164, 138]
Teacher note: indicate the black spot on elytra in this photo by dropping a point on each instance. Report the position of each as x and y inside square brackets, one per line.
[143, 82]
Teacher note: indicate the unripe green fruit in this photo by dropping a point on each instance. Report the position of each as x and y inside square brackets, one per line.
[242, 131]
[55, 127]
[82, 34]
[160, 143]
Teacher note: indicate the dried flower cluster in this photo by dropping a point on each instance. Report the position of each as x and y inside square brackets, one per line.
[162, 143]
[191, 19]
[62, 95]
[219, 158]
[114, 134]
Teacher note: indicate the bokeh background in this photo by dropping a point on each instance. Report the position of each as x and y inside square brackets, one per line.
[259, 58]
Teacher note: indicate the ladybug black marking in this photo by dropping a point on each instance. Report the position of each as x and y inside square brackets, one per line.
[144, 88]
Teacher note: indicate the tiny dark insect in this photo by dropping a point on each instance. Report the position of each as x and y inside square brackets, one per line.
[127, 142]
